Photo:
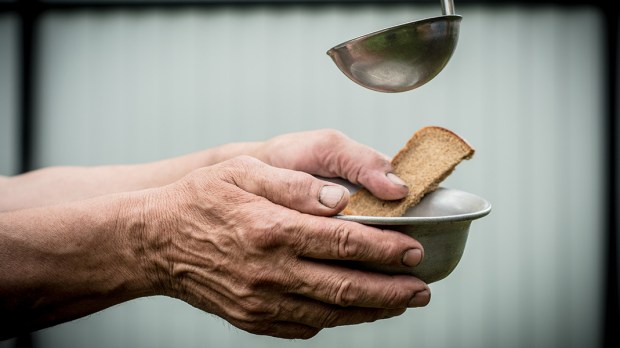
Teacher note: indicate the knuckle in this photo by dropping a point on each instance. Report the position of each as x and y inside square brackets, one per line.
[302, 181]
[241, 165]
[195, 181]
[344, 293]
[345, 248]
[270, 234]
[330, 144]
[332, 136]
[296, 189]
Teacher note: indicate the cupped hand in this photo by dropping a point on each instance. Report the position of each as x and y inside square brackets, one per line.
[330, 153]
[255, 245]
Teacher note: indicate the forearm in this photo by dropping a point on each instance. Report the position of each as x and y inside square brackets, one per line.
[65, 184]
[62, 262]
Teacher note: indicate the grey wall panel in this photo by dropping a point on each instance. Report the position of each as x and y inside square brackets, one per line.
[523, 87]
[9, 152]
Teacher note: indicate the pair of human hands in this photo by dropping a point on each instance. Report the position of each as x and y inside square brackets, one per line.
[251, 239]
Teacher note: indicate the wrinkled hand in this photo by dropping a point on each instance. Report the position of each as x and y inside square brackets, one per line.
[330, 153]
[254, 244]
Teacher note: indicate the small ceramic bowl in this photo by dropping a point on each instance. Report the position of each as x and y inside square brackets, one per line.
[440, 222]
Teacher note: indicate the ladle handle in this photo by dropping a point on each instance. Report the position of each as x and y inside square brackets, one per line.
[447, 7]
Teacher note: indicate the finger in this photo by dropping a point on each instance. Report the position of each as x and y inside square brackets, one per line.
[320, 315]
[296, 190]
[363, 165]
[334, 239]
[285, 329]
[375, 173]
[348, 287]
[330, 153]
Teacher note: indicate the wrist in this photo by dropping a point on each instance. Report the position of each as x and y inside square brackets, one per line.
[144, 228]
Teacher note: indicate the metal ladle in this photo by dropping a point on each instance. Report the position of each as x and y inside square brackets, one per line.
[403, 57]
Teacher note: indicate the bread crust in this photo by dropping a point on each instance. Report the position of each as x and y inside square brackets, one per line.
[428, 157]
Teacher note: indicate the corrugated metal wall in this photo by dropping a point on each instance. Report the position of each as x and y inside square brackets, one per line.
[524, 87]
[8, 93]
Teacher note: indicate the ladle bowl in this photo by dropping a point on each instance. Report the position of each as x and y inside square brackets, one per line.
[403, 57]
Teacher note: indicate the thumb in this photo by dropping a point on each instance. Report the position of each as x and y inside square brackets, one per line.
[293, 189]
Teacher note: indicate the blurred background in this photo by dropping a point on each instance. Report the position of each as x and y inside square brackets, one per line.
[532, 86]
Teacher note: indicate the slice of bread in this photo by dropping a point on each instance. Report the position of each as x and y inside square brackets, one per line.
[427, 159]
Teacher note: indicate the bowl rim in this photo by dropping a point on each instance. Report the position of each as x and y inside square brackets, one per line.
[421, 220]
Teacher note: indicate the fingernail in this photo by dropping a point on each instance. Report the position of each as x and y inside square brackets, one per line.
[412, 257]
[330, 196]
[398, 181]
[420, 298]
